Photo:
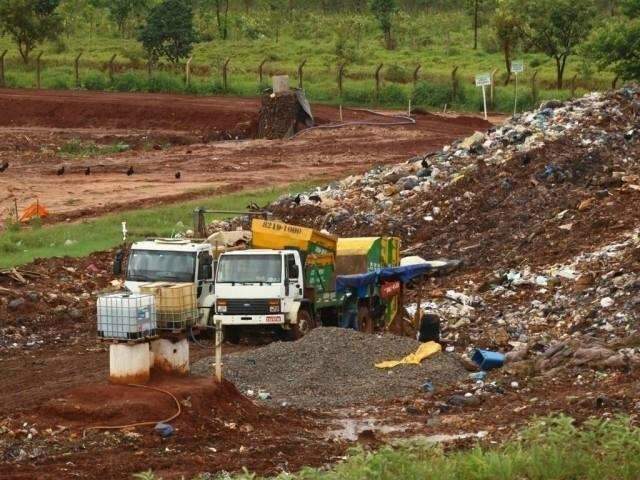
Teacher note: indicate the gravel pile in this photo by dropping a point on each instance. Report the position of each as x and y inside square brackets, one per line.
[333, 367]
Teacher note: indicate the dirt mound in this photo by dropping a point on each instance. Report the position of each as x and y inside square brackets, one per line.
[335, 367]
[106, 404]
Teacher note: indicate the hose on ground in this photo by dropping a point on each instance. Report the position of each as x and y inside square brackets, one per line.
[194, 340]
[402, 120]
[140, 424]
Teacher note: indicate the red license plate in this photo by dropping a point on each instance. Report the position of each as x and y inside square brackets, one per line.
[273, 319]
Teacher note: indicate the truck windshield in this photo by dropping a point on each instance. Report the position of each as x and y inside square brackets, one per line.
[156, 265]
[262, 268]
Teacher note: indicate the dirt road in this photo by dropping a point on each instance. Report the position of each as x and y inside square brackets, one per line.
[166, 134]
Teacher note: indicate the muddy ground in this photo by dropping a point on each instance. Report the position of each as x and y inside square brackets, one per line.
[208, 140]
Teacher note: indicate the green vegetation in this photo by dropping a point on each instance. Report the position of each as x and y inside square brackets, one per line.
[437, 35]
[78, 148]
[550, 449]
[22, 245]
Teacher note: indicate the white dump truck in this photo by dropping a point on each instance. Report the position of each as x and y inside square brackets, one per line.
[172, 261]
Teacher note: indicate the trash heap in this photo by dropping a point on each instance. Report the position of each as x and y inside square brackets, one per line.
[541, 210]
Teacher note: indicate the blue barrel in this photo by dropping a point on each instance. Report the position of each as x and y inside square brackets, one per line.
[487, 360]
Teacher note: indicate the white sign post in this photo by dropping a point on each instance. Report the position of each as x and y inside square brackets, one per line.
[517, 66]
[483, 80]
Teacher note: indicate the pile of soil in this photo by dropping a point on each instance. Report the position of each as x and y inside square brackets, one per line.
[280, 115]
[332, 367]
[218, 430]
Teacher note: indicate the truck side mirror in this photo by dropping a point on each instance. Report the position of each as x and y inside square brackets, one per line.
[294, 273]
[207, 272]
[117, 263]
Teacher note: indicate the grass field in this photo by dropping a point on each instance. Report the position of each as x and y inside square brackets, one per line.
[436, 41]
[549, 449]
[20, 246]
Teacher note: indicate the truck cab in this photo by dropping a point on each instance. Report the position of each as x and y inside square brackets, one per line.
[260, 287]
[174, 261]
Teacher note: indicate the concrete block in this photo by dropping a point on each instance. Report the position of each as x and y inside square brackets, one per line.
[280, 83]
[129, 363]
[171, 356]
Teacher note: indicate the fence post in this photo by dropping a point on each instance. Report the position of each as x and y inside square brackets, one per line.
[38, 69]
[260, 70]
[340, 75]
[225, 68]
[614, 82]
[416, 72]
[493, 86]
[111, 67]
[300, 67]
[454, 84]
[187, 71]
[2, 82]
[534, 88]
[378, 80]
[573, 85]
[76, 65]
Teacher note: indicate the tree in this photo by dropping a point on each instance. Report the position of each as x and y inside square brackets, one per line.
[556, 28]
[507, 28]
[477, 9]
[383, 11]
[169, 31]
[30, 22]
[616, 45]
[222, 15]
[121, 11]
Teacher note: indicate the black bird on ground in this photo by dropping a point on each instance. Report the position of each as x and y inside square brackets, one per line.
[297, 200]
[130, 172]
[425, 163]
[87, 171]
[4, 166]
[60, 171]
[178, 175]
[315, 199]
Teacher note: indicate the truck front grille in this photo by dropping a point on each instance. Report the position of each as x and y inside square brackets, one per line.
[248, 306]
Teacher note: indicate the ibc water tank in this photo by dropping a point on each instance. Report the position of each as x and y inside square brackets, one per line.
[126, 316]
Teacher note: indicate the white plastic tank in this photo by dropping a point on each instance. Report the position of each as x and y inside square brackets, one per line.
[126, 316]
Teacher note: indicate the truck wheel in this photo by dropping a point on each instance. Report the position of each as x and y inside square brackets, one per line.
[365, 320]
[304, 325]
[231, 334]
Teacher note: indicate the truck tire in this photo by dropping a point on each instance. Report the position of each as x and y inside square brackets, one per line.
[232, 334]
[365, 319]
[304, 325]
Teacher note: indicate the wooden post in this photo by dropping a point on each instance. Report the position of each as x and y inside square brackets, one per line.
[493, 87]
[260, 70]
[187, 71]
[2, 81]
[340, 75]
[76, 65]
[454, 84]
[614, 82]
[15, 204]
[111, 67]
[219, 350]
[378, 80]
[416, 73]
[573, 86]
[534, 88]
[300, 67]
[38, 69]
[225, 67]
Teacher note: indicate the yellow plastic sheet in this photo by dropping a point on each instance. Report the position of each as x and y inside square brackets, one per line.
[425, 350]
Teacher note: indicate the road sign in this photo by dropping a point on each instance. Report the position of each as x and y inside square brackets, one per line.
[517, 66]
[483, 79]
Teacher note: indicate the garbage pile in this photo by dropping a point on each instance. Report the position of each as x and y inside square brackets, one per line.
[51, 300]
[541, 211]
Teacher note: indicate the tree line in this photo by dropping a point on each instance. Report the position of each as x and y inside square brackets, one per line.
[608, 31]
